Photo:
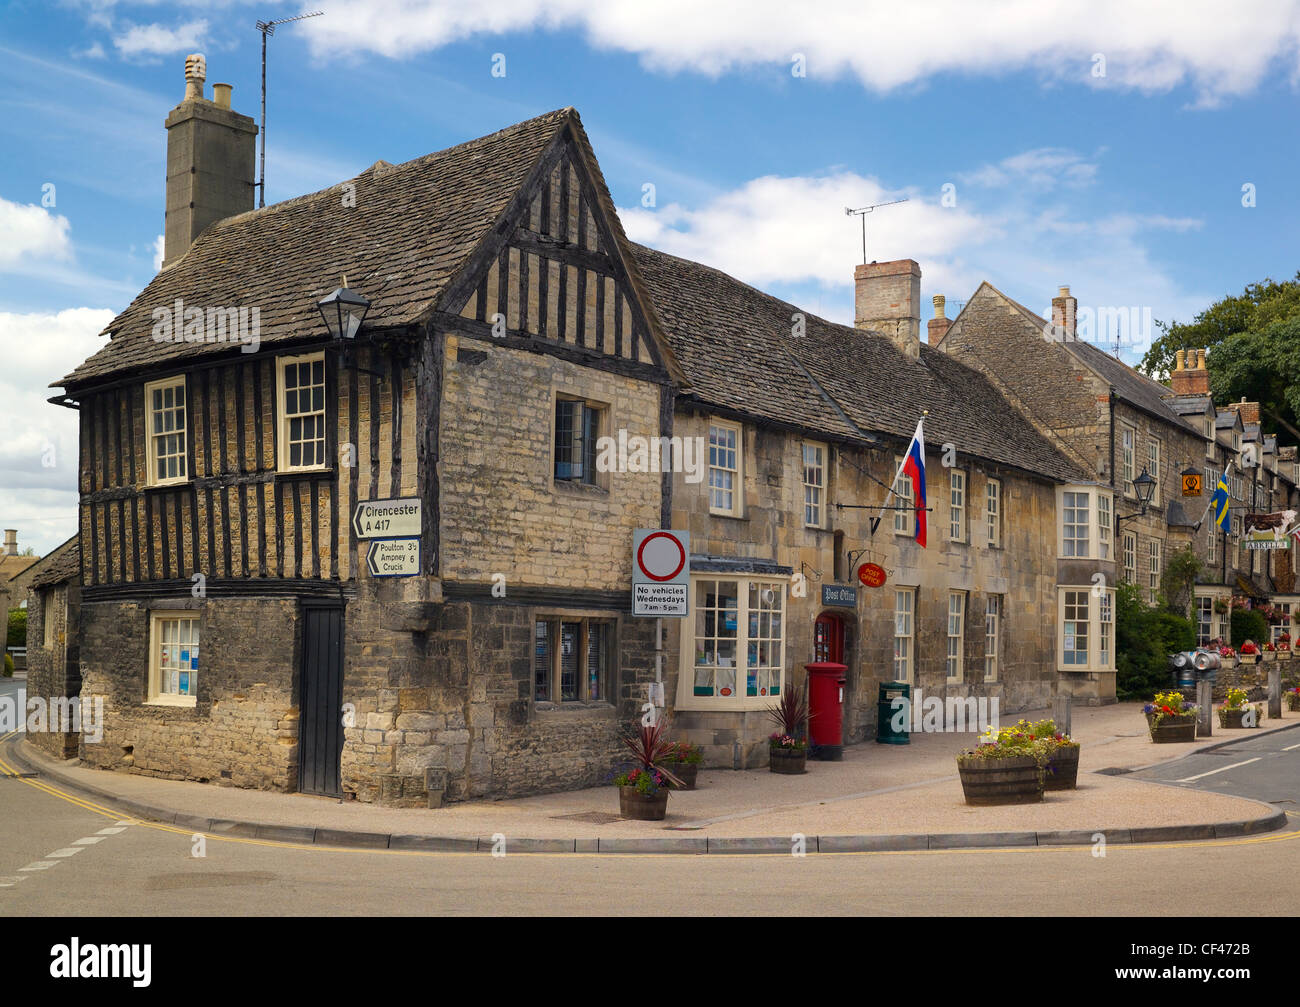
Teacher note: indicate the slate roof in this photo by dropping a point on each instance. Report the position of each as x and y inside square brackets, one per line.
[1130, 385]
[412, 228]
[1190, 405]
[735, 344]
[1225, 419]
[61, 566]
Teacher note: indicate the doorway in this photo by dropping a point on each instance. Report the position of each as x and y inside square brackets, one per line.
[320, 726]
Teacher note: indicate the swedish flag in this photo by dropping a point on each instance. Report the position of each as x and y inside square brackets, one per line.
[1219, 503]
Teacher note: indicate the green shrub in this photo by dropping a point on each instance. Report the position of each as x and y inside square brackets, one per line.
[1144, 639]
[1247, 624]
[17, 635]
[9, 666]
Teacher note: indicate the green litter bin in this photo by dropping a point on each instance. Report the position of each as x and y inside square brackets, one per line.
[885, 713]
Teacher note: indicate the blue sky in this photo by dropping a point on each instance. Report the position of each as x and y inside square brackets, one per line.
[1127, 186]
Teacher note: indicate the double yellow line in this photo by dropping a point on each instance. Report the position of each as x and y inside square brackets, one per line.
[7, 769]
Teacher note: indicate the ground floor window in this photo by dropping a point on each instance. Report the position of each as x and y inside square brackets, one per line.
[1204, 620]
[904, 633]
[992, 613]
[1275, 630]
[1086, 629]
[572, 659]
[174, 659]
[738, 623]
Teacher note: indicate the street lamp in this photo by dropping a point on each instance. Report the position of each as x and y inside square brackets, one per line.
[344, 310]
[1145, 487]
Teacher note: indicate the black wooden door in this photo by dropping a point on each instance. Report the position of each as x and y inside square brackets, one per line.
[321, 720]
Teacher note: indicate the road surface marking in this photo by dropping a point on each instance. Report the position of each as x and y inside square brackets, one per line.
[67, 851]
[111, 831]
[1291, 748]
[39, 865]
[1221, 769]
[90, 841]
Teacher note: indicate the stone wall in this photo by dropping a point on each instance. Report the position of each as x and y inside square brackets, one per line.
[48, 668]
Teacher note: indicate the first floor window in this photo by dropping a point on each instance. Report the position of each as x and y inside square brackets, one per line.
[165, 412]
[302, 412]
[737, 620]
[577, 428]
[814, 484]
[1075, 530]
[1153, 468]
[1075, 649]
[1130, 558]
[993, 512]
[1204, 620]
[956, 633]
[572, 659]
[1214, 542]
[725, 443]
[174, 659]
[1103, 525]
[992, 614]
[905, 506]
[904, 633]
[47, 618]
[1128, 441]
[1153, 572]
[957, 505]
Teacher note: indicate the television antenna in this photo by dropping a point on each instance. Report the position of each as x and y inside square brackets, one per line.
[862, 212]
[268, 28]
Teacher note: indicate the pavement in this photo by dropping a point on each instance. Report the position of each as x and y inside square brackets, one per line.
[881, 797]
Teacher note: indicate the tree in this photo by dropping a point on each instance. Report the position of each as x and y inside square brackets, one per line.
[1254, 343]
[1178, 582]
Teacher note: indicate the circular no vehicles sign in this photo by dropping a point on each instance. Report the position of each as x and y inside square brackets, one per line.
[660, 572]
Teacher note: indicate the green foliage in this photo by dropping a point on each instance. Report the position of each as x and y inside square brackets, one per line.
[1178, 583]
[17, 635]
[9, 666]
[1144, 639]
[1247, 624]
[1254, 343]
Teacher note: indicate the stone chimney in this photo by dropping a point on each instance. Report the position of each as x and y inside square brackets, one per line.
[1064, 311]
[887, 299]
[1190, 376]
[11, 542]
[1249, 411]
[938, 325]
[210, 162]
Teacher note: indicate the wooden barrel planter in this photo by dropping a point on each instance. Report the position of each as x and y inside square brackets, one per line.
[1172, 729]
[1016, 780]
[1293, 701]
[1063, 769]
[1233, 718]
[790, 761]
[642, 807]
[687, 772]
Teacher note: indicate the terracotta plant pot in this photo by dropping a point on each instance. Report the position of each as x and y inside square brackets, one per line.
[1233, 718]
[687, 772]
[1172, 729]
[1063, 769]
[643, 807]
[1016, 780]
[790, 761]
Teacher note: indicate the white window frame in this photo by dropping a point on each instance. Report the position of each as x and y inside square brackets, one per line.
[1204, 603]
[1105, 525]
[1214, 543]
[1128, 453]
[1129, 540]
[993, 512]
[1098, 627]
[1076, 505]
[956, 635]
[1076, 524]
[1277, 629]
[1105, 630]
[992, 636]
[737, 473]
[157, 695]
[1153, 467]
[957, 505]
[777, 637]
[904, 503]
[814, 484]
[151, 438]
[283, 418]
[904, 633]
[1155, 566]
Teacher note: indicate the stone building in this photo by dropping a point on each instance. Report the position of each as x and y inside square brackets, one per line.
[13, 565]
[243, 624]
[53, 641]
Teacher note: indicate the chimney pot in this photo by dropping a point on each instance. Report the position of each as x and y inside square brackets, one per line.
[196, 72]
[937, 328]
[1064, 310]
[221, 95]
[11, 542]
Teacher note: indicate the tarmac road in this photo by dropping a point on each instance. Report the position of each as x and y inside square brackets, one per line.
[61, 855]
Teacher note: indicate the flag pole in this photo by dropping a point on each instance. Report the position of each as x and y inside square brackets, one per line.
[1210, 502]
[875, 521]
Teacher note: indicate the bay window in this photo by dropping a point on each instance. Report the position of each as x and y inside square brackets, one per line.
[738, 625]
[1077, 505]
[1086, 628]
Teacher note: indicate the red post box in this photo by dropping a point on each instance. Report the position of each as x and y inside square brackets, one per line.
[826, 710]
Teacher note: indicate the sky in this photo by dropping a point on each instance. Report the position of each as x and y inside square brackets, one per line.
[1139, 152]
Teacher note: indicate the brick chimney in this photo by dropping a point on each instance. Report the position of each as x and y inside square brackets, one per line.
[210, 162]
[887, 299]
[11, 542]
[1190, 376]
[1064, 312]
[938, 325]
[1249, 411]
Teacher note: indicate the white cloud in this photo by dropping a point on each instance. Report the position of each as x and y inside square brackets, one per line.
[884, 45]
[158, 40]
[38, 451]
[31, 232]
[157, 253]
[1043, 168]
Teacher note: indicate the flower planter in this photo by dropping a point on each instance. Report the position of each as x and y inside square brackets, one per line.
[791, 761]
[1062, 769]
[1293, 701]
[1172, 729]
[642, 807]
[1233, 718]
[687, 772]
[1270, 655]
[1015, 780]
[1246, 658]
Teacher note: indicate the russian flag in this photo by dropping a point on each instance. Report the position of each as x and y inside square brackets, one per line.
[914, 469]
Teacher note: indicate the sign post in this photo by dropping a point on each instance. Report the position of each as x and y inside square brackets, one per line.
[661, 572]
[398, 518]
[394, 557]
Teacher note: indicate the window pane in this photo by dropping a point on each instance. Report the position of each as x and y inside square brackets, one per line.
[570, 644]
[542, 661]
